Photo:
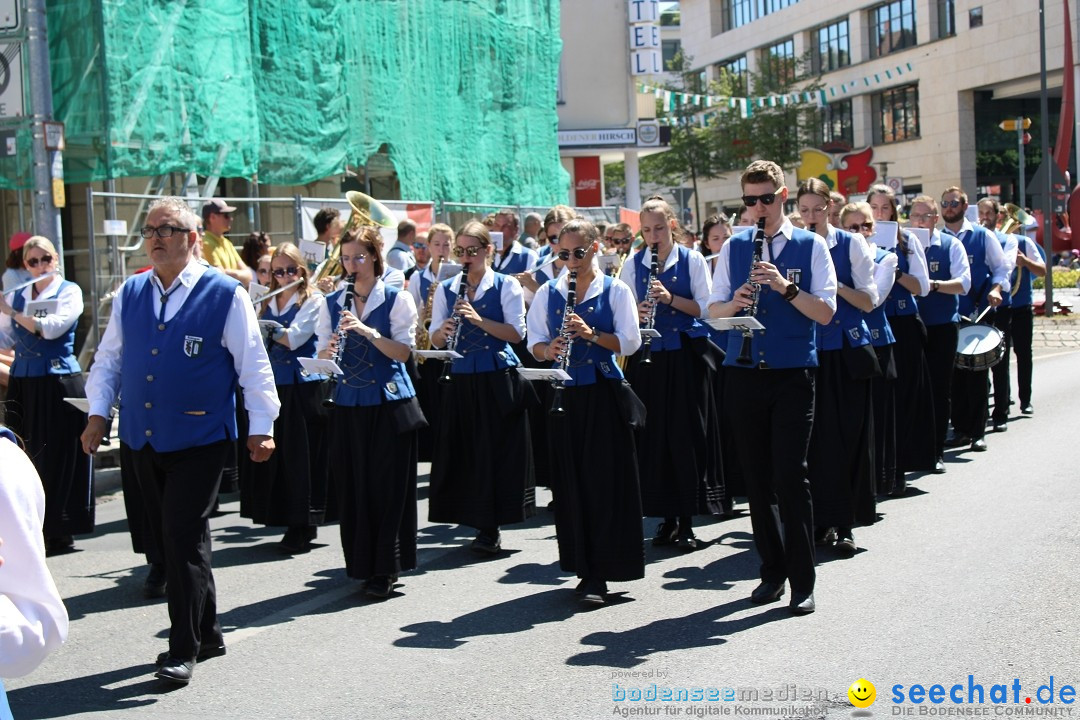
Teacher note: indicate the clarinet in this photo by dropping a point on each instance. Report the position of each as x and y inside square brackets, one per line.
[452, 341]
[748, 335]
[650, 321]
[340, 335]
[562, 362]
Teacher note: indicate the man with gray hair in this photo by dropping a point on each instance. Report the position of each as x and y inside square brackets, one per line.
[182, 323]
[530, 231]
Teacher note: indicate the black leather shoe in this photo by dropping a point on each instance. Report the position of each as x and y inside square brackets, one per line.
[312, 532]
[802, 603]
[687, 543]
[205, 653]
[845, 546]
[1000, 427]
[593, 592]
[957, 440]
[978, 445]
[295, 540]
[59, 545]
[666, 532]
[485, 544]
[899, 488]
[1026, 409]
[379, 586]
[824, 537]
[939, 466]
[154, 586]
[176, 671]
[767, 592]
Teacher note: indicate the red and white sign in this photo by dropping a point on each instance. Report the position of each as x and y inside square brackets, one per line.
[588, 189]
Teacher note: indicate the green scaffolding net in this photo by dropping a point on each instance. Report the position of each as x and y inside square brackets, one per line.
[461, 92]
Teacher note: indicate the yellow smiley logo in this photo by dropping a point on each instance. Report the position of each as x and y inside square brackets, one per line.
[862, 693]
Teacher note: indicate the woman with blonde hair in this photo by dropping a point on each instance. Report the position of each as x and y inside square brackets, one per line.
[39, 322]
[290, 489]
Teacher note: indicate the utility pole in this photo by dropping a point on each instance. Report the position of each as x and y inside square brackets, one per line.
[48, 173]
[1044, 131]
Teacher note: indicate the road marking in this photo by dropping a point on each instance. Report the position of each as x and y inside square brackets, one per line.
[1067, 352]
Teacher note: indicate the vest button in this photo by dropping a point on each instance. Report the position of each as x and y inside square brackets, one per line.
[161, 326]
[149, 406]
[149, 378]
[154, 351]
[149, 433]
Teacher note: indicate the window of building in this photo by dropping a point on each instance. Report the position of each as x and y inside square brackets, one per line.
[736, 13]
[736, 70]
[897, 111]
[830, 47]
[778, 64]
[975, 17]
[835, 125]
[946, 18]
[892, 27]
[670, 49]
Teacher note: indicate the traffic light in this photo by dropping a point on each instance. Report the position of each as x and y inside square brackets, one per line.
[1010, 124]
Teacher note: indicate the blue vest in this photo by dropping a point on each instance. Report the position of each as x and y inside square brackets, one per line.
[587, 360]
[975, 245]
[847, 322]
[37, 357]
[669, 321]
[177, 380]
[788, 338]
[369, 377]
[1022, 298]
[518, 263]
[881, 333]
[285, 362]
[901, 301]
[939, 308]
[481, 352]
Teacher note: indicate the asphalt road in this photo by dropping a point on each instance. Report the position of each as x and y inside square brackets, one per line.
[973, 573]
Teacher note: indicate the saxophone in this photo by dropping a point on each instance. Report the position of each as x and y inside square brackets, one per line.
[423, 330]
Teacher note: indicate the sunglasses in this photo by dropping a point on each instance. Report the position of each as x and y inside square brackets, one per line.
[45, 259]
[856, 227]
[470, 251]
[752, 200]
[950, 203]
[282, 272]
[578, 252]
[620, 241]
[419, 246]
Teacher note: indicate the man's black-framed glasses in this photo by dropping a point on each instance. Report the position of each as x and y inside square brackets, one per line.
[752, 200]
[162, 231]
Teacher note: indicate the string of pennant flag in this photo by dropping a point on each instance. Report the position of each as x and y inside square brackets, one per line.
[821, 97]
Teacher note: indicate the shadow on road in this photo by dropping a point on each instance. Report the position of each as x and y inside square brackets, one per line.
[722, 573]
[90, 693]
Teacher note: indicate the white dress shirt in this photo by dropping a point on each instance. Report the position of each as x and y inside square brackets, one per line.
[916, 257]
[402, 316]
[303, 323]
[995, 255]
[1011, 248]
[823, 273]
[400, 256]
[33, 620]
[54, 325]
[414, 285]
[885, 276]
[512, 299]
[862, 263]
[959, 268]
[516, 249]
[241, 337]
[700, 283]
[623, 307]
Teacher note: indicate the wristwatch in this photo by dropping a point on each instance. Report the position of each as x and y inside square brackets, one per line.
[935, 285]
[899, 273]
[595, 337]
[791, 292]
[375, 335]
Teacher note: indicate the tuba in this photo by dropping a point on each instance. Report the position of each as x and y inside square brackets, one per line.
[1014, 224]
[365, 210]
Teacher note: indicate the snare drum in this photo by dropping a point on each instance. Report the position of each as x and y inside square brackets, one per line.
[979, 347]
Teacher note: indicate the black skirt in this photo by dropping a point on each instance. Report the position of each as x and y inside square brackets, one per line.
[840, 460]
[914, 397]
[679, 461]
[290, 488]
[429, 393]
[373, 461]
[50, 430]
[542, 460]
[883, 392]
[482, 475]
[598, 512]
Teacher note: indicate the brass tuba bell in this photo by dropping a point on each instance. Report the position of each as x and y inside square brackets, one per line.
[1015, 222]
[365, 211]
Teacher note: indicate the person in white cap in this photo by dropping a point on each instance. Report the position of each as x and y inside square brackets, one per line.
[217, 249]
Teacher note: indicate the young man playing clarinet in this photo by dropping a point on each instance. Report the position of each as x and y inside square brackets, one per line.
[769, 390]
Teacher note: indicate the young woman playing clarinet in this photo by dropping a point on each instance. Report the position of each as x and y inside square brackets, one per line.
[840, 462]
[39, 322]
[674, 376]
[579, 323]
[369, 329]
[290, 488]
[482, 474]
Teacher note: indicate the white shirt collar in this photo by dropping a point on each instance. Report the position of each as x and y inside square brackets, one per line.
[187, 277]
[672, 257]
[50, 290]
[594, 289]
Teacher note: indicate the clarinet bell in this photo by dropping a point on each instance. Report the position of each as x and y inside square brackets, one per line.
[446, 378]
[556, 402]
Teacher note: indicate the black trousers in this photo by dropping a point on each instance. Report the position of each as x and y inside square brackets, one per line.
[970, 406]
[940, 360]
[771, 413]
[1000, 372]
[1023, 322]
[179, 489]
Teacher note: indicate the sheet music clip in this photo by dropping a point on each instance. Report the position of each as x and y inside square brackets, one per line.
[437, 354]
[734, 323]
[318, 366]
[650, 333]
[550, 374]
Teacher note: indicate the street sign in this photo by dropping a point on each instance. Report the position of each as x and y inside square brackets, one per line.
[11, 81]
[54, 135]
[9, 16]
[896, 184]
[1010, 124]
[1026, 138]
